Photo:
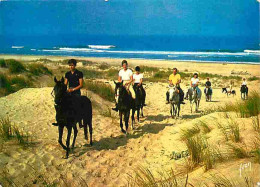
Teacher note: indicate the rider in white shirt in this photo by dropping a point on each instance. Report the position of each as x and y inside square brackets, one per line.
[138, 81]
[244, 83]
[125, 75]
[194, 83]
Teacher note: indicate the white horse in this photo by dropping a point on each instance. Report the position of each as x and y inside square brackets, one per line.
[174, 98]
[194, 97]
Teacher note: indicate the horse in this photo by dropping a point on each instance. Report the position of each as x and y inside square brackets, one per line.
[139, 102]
[174, 98]
[71, 110]
[233, 92]
[125, 104]
[208, 93]
[194, 97]
[244, 92]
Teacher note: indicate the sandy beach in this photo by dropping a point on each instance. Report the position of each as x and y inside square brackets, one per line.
[114, 158]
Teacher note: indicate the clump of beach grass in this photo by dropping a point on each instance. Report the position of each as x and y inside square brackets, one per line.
[102, 89]
[38, 69]
[231, 130]
[256, 123]
[2, 63]
[189, 132]
[205, 127]
[9, 131]
[144, 177]
[15, 66]
[238, 150]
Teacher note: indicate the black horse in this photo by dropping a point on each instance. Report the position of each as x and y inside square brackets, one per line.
[125, 104]
[139, 101]
[244, 92]
[233, 92]
[71, 110]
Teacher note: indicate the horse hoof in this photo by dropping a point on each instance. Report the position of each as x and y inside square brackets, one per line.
[123, 131]
[91, 143]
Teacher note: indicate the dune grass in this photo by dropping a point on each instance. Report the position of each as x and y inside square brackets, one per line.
[2, 63]
[188, 133]
[103, 66]
[143, 177]
[205, 127]
[254, 78]
[102, 89]
[9, 131]
[91, 74]
[38, 69]
[230, 130]
[15, 66]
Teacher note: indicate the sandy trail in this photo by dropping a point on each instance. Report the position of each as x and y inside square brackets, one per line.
[113, 156]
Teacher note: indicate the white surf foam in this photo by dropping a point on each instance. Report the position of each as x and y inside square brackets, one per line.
[17, 47]
[101, 46]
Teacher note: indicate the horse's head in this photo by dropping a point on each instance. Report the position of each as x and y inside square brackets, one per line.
[59, 90]
[119, 88]
[173, 91]
[224, 90]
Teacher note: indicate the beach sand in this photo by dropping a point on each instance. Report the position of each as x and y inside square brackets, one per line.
[114, 156]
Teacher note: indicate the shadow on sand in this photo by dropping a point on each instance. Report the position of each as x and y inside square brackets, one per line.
[114, 142]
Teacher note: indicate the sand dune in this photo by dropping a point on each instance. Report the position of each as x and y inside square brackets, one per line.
[113, 156]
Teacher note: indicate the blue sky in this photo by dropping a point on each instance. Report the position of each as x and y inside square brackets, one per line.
[131, 17]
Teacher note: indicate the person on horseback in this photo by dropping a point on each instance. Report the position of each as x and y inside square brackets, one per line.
[244, 83]
[194, 83]
[208, 85]
[74, 79]
[138, 81]
[175, 79]
[125, 75]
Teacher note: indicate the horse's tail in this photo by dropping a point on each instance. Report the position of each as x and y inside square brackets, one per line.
[87, 118]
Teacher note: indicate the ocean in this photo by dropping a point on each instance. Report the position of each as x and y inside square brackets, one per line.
[176, 48]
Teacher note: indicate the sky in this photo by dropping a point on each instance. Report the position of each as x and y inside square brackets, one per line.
[130, 17]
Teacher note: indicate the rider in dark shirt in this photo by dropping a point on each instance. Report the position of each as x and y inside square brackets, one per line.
[208, 83]
[74, 78]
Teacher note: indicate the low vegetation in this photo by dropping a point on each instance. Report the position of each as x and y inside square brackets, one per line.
[15, 66]
[9, 131]
[102, 89]
[38, 69]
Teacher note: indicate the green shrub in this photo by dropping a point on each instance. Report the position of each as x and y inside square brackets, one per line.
[112, 73]
[254, 78]
[103, 66]
[2, 63]
[91, 74]
[102, 89]
[15, 66]
[19, 83]
[38, 69]
[5, 83]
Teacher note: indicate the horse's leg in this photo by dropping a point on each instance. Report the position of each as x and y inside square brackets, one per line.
[61, 128]
[86, 131]
[138, 114]
[179, 108]
[142, 112]
[90, 131]
[75, 129]
[126, 118]
[133, 118]
[121, 121]
[68, 141]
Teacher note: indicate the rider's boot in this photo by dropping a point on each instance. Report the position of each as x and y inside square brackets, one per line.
[116, 108]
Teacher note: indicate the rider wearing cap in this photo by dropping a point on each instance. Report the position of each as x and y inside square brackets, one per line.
[175, 79]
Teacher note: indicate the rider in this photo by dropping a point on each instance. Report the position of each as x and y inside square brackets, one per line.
[194, 83]
[138, 81]
[125, 75]
[74, 78]
[244, 83]
[208, 84]
[175, 79]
